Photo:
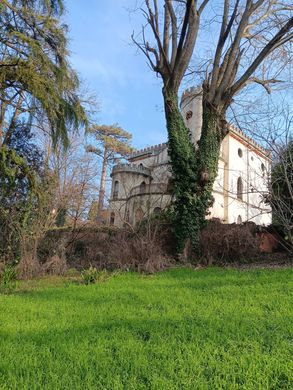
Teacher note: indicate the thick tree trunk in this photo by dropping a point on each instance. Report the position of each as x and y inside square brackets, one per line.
[193, 171]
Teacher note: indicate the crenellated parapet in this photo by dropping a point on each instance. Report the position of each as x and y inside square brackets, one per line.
[151, 150]
[249, 140]
[131, 168]
[191, 93]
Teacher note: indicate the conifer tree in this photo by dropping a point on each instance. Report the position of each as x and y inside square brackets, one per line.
[112, 142]
[35, 76]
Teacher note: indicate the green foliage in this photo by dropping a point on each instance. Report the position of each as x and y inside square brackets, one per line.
[8, 279]
[193, 172]
[34, 62]
[8, 275]
[112, 139]
[92, 275]
[181, 329]
[282, 192]
[15, 208]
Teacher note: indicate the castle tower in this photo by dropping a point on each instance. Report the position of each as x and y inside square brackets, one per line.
[191, 109]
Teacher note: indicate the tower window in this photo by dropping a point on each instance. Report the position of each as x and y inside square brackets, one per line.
[142, 188]
[116, 190]
[240, 152]
[188, 115]
[112, 218]
[239, 189]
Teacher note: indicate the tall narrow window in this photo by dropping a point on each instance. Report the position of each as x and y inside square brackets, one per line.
[142, 188]
[239, 189]
[239, 220]
[112, 218]
[116, 189]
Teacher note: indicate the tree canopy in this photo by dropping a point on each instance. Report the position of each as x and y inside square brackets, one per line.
[35, 76]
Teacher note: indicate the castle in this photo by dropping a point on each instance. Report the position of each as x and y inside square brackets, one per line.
[140, 187]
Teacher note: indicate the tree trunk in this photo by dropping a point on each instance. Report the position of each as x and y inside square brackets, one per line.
[102, 184]
[194, 171]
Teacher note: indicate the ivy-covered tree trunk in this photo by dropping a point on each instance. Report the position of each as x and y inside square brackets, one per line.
[194, 170]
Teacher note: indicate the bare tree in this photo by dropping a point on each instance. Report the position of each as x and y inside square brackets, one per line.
[250, 32]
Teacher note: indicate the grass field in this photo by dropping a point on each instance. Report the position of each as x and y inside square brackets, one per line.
[180, 329]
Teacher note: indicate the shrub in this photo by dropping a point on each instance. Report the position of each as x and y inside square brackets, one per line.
[90, 275]
[8, 278]
[229, 243]
[56, 265]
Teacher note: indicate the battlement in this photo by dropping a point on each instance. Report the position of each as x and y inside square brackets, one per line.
[191, 93]
[133, 168]
[249, 140]
[149, 150]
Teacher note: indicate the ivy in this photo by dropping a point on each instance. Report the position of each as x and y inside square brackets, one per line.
[193, 172]
[12, 166]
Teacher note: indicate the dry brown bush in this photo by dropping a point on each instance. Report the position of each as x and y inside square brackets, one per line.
[229, 243]
[55, 265]
[138, 251]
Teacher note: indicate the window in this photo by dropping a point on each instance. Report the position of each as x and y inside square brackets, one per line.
[240, 152]
[239, 189]
[143, 188]
[157, 210]
[188, 115]
[112, 218]
[239, 219]
[263, 169]
[116, 190]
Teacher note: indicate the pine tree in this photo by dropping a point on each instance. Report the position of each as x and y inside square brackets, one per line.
[112, 142]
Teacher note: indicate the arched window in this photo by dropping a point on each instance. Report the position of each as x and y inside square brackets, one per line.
[112, 218]
[239, 189]
[240, 152]
[157, 210]
[142, 188]
[239, 220]
[116, 189]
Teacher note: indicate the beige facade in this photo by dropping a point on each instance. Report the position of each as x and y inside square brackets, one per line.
[140, 187]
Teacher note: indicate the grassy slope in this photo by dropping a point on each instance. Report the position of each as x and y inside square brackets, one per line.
[181, 329]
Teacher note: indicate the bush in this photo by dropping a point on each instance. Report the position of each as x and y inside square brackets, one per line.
[90, 275]
[223, 243]
[8, 278]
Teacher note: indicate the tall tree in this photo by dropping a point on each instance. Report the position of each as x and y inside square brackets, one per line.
[35, 76]
[38, 88]
[250, 32]
[113, 142]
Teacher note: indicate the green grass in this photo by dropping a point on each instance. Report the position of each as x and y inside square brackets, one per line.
[181, 329]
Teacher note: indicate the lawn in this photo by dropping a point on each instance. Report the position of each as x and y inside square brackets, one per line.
[180, 329]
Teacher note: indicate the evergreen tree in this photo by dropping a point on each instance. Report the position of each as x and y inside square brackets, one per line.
[112, 142]
[282, 192]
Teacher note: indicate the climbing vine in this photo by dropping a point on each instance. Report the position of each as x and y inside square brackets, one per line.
[15, 209]
[194, 170]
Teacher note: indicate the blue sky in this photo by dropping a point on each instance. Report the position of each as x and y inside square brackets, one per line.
[128, 92]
